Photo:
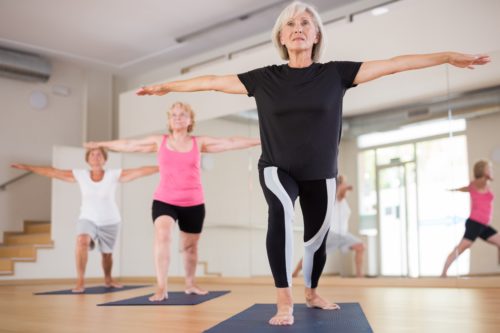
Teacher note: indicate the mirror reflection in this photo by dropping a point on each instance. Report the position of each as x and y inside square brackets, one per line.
[399, 174]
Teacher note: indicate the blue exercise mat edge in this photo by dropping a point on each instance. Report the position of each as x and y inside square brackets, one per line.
[94, 290]
[175, 298]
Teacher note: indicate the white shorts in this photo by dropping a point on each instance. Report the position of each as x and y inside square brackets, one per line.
[104, 235]
[336, 241]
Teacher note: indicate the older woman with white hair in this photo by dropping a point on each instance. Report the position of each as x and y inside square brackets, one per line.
[300, 115]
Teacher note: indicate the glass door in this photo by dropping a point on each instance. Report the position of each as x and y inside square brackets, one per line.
[398, 227]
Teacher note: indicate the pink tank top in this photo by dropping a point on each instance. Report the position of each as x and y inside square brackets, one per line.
[180, 176]
[481, 205]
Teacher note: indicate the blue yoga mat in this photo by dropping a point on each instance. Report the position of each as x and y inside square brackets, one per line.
[349, 319]
[174, 298]
[91, 290]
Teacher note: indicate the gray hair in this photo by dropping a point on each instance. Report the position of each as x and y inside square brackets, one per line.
[289, 12]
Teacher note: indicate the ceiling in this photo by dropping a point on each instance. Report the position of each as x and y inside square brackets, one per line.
[129, 37]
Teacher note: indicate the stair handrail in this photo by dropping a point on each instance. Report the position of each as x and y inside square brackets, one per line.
[13, 180]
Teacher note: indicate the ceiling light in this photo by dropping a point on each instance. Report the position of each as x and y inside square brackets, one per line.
[379, 11]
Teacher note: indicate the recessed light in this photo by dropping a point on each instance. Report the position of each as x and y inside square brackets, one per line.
[379, 11]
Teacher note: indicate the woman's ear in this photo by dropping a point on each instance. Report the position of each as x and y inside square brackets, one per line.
[318, 38]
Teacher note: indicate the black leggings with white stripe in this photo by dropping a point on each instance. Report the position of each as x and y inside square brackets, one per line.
[316, 200]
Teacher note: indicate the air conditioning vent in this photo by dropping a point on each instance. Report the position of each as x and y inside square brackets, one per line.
[23, 66]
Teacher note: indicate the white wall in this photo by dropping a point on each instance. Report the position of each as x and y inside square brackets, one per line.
[99, 106]
[27, 136]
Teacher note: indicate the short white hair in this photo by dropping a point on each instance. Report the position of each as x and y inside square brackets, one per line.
[289, 12]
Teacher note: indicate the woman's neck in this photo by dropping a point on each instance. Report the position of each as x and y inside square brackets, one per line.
[96, 173]
[300, 59]
[96, 169]
[179, 135]
[482, 182]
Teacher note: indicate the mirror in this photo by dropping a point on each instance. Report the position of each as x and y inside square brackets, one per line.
[479, 109]
[407, 139]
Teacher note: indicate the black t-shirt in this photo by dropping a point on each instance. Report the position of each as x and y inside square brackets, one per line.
[300, 115]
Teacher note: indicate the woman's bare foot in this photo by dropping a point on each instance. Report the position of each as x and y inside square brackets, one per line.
[112, 284]
[284, 316]
[284, 304]
[159, 296]
[79, 288]
[195, 290]
[313, 300]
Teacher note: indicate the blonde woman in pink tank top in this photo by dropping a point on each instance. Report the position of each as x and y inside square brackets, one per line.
[481, 212]
[179, 195]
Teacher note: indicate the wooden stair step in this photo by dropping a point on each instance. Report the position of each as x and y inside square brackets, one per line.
[36, 227]
[34, 238]
[23, 246]
[18, 251]
[6, 265]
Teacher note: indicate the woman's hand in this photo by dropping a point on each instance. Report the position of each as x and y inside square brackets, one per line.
[19, 166]
[468, 60]
[157, 89]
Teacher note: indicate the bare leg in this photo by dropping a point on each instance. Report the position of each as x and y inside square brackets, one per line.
[457, 251]
[163, 238]
[190, 256]
[359, 250]
[313, 300]
[494, 240]
[81, 256]
[107, 265]
[297, 269]
[284, 304]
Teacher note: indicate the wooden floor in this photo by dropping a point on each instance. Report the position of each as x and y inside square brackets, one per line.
[409, 307]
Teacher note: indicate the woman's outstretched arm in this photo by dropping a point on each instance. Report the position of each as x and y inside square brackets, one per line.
[145, 145]
[131, 174]
[217, 145]
[47, 171]
[230, 84]
[372, 70]
[460, 189]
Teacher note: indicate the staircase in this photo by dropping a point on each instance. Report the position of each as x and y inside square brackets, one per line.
[22, 246]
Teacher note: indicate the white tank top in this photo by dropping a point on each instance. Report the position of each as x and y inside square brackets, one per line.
[98, 198]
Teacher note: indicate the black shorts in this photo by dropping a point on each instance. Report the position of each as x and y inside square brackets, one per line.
[190, 218]
[475, 229]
